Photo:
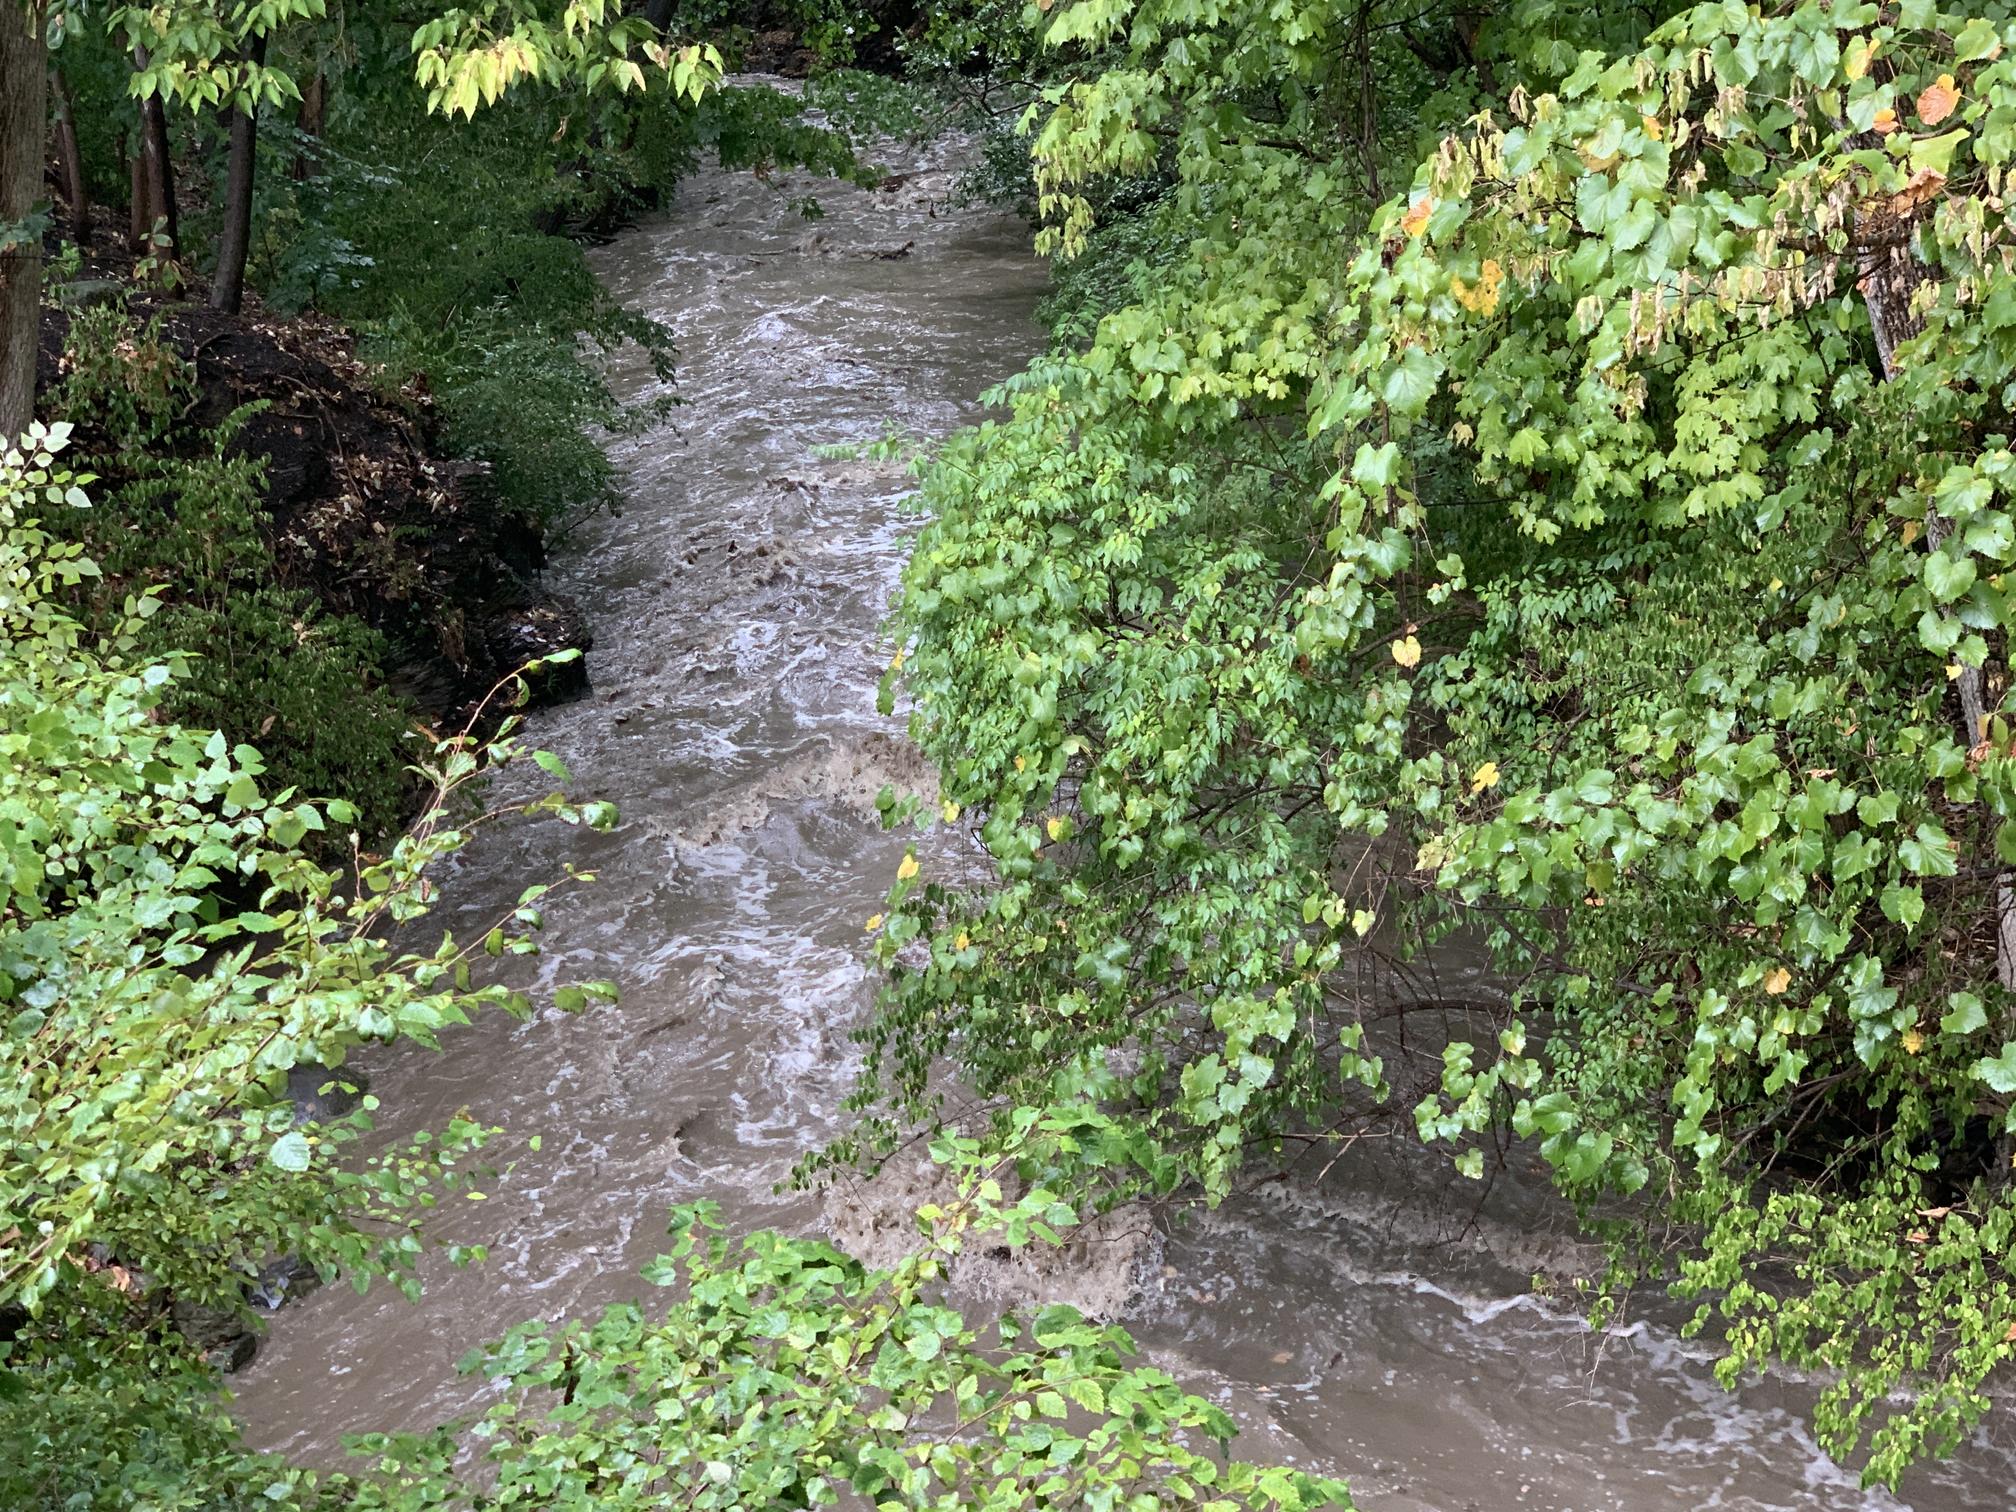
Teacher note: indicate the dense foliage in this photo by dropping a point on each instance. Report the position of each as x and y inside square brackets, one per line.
[788, 1375]
[1540, 477]
[452, 249]
[169, 955]
[1527, 477]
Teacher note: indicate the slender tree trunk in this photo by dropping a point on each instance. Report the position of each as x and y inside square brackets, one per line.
[659, 14]
[137, 219]
[157, 165]
[308, 121]
[227, 288]
[75, 188]
[23, 126]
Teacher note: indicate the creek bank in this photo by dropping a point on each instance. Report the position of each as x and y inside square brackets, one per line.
[362, 509]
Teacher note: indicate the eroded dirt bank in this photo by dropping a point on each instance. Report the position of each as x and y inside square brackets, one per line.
[362, 508]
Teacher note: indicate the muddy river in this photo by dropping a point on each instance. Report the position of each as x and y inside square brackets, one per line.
[1371, 1324]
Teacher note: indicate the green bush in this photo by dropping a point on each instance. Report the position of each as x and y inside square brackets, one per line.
[169, 952]
[309, 687]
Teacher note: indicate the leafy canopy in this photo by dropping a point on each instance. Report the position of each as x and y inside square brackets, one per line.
[1595, 550]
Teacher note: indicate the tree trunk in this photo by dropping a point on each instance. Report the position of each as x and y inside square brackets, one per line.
[157, 165]
[138, 221]
[308, 121]
[23, 124]
[75, 188]
[659, 14]
[227, 288]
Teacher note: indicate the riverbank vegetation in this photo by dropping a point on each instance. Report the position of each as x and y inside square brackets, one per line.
[1519, 474]
[328, 385]
[1535, 475]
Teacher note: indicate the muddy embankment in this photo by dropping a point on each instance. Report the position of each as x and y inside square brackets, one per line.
[363, 509]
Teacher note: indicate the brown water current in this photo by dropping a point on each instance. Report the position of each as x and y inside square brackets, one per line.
[1366, 1324]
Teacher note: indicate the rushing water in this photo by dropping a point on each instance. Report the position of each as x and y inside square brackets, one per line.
[1369, 1323]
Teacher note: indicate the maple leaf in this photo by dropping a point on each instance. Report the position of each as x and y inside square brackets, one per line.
[1487, 776]
[1776, 980]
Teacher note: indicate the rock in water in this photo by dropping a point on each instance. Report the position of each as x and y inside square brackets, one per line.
[538, 626]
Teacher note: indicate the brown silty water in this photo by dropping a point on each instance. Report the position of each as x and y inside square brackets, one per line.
[1373, 1323]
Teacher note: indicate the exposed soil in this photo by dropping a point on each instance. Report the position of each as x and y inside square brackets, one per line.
[362, 510]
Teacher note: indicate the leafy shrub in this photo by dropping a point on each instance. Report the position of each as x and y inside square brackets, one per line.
[786, 1374]
[1600, 546]
[273, 668]
[168, 953]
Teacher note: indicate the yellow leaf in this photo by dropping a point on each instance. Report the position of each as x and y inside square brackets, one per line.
[1909, 531]
[1861, 53]
[906, 869]
[1480, 298]
[1774, 585]
[1938, 100]
[1953, 671]
[963, 941]
[1415, 221]
[874, 922]
[950, 811]
[1021, 763]
[1912, 1041]
[1054, 826]
[1652, 127]
[1776, 980]
[1885, 122]
[1362, 922]
[1407, 651]
[1486, 776]
[896, 662]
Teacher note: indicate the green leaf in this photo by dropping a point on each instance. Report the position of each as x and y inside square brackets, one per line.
[1947, 575]
[1410, 383]
[290, 1152]
[1999, 1072]
[1964, 1015]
